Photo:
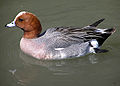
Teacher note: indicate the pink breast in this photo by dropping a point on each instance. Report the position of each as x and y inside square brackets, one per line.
[31, 47]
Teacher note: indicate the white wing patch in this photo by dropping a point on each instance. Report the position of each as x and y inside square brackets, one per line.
[58, 48]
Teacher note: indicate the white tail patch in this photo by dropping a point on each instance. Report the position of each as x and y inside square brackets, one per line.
[91, 50]
[94, 44]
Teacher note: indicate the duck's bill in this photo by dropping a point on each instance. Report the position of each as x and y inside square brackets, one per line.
[12, 24]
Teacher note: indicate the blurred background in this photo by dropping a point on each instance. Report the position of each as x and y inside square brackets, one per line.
[18, 69]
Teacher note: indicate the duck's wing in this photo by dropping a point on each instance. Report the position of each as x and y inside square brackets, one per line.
[66, 36]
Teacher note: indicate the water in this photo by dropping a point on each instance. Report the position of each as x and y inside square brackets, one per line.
[18, 69]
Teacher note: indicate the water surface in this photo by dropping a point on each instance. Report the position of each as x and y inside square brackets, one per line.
[18, 69]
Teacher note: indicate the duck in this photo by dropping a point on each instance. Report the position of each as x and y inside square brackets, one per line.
[58, 42]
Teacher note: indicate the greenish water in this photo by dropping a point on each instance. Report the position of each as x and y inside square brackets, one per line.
[18, 69]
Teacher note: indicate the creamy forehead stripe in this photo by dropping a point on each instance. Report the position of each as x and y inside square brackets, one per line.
[19, 14]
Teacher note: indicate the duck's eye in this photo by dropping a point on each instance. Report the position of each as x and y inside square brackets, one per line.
[20, 20]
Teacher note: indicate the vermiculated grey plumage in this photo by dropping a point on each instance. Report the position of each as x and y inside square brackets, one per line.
[70, 38]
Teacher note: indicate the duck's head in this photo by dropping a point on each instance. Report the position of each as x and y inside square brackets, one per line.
[28, 22]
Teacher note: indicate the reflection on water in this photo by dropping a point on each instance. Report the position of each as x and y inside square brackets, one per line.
[93, 59]
[66, 67]
[86, 68]
[59, 65]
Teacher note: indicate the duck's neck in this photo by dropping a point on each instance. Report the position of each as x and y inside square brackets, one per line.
[32, 34]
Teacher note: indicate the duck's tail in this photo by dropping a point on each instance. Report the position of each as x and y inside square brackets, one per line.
[104, 34]
[97, 23]
[100, 35]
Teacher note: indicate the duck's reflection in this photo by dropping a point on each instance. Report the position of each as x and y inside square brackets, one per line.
[59, 65]
[32, 69]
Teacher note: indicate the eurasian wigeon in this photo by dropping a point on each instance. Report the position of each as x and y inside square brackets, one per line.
[58, 42]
